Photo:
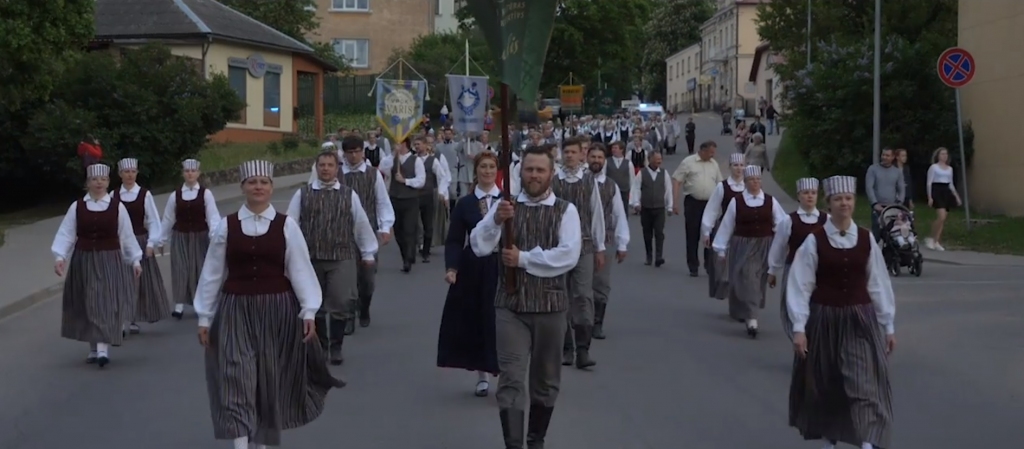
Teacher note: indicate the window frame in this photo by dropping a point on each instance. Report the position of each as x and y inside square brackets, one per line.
[342, 6]
[340, 42]
[242, 118]
[271, 119]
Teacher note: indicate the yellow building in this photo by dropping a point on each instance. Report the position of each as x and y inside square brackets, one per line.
[730, 41]
[992, 103]
[682, 79]
[280, 78]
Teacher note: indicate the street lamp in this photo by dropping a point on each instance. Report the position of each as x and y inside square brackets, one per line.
[876, 146]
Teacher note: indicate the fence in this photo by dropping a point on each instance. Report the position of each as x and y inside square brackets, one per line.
[348, 94]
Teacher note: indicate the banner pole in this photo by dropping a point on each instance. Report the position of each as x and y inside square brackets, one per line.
[506, 192]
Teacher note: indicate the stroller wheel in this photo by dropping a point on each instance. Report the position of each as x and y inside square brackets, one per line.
[894, 267]
[917, 267]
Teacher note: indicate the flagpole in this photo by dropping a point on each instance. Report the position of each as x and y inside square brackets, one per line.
[506, 192]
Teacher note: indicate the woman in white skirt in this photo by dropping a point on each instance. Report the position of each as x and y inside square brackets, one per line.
[256, 301]
[840, 301]
[725, 191]
[746, 232]
[789, 235]
[190, 217]
[98, 287]
[151, 303]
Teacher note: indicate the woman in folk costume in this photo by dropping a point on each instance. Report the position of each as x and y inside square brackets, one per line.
[256, 301]
[840, 300]
[789, 235]
[152, 304]
[190, 217]
[732, 187]
[467, 337]
[747, 229]
[98, 230]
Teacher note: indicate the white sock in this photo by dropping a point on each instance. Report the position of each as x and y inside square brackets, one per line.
[752, 323]
[242, 443]
[867, 446]
[102, 348]
[481, 376]
[181, 308]
[829, 445]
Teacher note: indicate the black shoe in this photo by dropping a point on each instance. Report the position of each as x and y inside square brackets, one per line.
[537, 427]
[583, 335]
[568, 349]
[364, 312]
[337, 338]
[91, 359]
[599, 311]
[659, 262]
[752, 331]
[406, 267]
[177, 315]
[102, 360]
[350, 327]
[647, 261]
[512, 428]
[426, 258]
[693, 273]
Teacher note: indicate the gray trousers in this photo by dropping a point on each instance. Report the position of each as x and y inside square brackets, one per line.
[580, 283]
[366, 282]
[529, 347]
[603, 277]
[338, 282]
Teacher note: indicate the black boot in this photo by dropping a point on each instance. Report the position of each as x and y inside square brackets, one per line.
[321, 331]
[567, 348]
[350, 326]
[583, 360]
[512, 428]
[599, 310]
[425, 251]
[364, 312]
[337, 337]
[540, 417]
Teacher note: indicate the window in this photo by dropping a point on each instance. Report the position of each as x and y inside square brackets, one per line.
[272, 100]
[237, 78]
[355, 51]
[350, 5]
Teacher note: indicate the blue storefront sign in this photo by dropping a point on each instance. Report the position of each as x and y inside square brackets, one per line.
[691, 84]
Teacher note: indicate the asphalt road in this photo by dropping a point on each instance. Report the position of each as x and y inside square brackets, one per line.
[675, 372]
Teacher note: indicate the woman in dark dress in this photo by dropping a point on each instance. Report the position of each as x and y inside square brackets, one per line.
[466, 339]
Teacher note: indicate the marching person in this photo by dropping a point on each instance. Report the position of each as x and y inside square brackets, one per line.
[368, 183]
[340, 238]
[746, 231]
[620, 170]
[789, 235]
[638, 150]
[333, 145]
[840, 300]
[98, 288]
[575, 184]
[256, 301]
[434, 189]
[723, 194]
[459, 163]
[530, 321]
[190, 217]
[466, 338]
[408, 175]
[374, 149]
[696, 179]
[651, 198]
[616, 225]
[152, 304]
[691, 134]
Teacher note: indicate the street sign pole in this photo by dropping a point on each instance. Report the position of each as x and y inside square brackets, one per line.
[956, 69]
[876, 122]
[963, 158]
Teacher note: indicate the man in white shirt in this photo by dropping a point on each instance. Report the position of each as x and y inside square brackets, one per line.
[617, 226]
[408, 176]
[433, 192]
[651, 197]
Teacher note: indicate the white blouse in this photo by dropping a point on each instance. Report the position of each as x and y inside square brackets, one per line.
[298, 267]
[544, 263]
[188, 193]
[780, 244]
[803, 279]
[939, 175]
[365, 238]
[152, 219]
[67, 234]
[724, 234]
[713, 209]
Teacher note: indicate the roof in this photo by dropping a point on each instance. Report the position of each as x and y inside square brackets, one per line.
[761, 51]
[180, 19]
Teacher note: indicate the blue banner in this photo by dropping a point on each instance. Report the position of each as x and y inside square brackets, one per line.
[469, 98]
[400, 106]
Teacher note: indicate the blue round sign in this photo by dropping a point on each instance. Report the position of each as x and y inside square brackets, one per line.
[956, 67]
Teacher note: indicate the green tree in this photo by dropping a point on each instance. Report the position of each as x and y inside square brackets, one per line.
[437, 55]
[40, 38]
[673, 26]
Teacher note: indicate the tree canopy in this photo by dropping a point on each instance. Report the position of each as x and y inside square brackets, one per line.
[436, 55]
[673, 26]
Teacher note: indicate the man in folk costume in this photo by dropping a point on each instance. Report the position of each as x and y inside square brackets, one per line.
[152, 304]
[530, 320]
[725, 191]
[459, 164]
[840, 301]
[616, 225]
[98, 230]
[789, 235]
[746, 232]
[651, 198]
[407, 175]
[368, 183]
[575, 184]
[190, 217]
[534, 139]
[326, 146]
[434, 188]
[620, 170]
[340, 238]
[256, 301]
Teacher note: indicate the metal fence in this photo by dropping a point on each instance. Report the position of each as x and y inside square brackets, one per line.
[348, 94]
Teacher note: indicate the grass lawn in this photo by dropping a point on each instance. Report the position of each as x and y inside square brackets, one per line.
[989, 234]
[221, 156]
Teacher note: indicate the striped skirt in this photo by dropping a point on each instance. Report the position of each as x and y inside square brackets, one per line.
[261, 377]
[841, 391]
[748, 275]
[188, 251]
[96, 291]
[152, 305]
[787, 325]
[718, 272]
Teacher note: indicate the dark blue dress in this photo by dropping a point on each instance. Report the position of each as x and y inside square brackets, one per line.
[467, 339]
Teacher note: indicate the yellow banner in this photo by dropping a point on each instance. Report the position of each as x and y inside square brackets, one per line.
[572, 98]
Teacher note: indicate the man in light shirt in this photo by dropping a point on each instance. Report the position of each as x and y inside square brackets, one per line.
[651, 197]
[408, 176]
[695, 179]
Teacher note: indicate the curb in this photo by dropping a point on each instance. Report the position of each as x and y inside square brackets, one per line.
[52, 291]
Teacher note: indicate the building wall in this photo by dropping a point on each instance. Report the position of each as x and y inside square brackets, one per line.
[766, 77]
[682, 71]
[444, 20]
[747, 42]
[730, 39]
[385, 26]
[992, 102]
[254, 128]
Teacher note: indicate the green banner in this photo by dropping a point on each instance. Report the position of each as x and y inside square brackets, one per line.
[518, 33]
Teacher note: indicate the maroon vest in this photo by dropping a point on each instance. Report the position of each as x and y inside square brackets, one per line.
[728, 194]
[754, 221]
[190, 216]
[136, 211]
[97, 231]
[256, 265]
[842, 275]
[799, 231]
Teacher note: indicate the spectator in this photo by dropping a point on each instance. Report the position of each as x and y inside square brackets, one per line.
[884, 187]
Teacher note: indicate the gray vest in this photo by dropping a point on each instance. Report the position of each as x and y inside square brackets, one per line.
[607, 191]
[652, 189]
[535, 226]
[364, 183]
[408, 168]
[620, 175]
[431, 184]
[323, 214]
[579, 194]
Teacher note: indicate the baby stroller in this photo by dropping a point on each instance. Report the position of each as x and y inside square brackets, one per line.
[726, 127]
[899, 241]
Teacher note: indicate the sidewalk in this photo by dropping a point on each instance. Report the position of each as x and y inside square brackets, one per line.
[27, 275]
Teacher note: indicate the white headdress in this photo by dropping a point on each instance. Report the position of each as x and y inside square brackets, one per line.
[752, 171]
[190, 164]
[256, 168]
[804, 184]
[737, 158]
[840, 184]
[128, 164]
[95, 170]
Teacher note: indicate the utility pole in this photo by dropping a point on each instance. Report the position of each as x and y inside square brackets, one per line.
[809, 32]
[876, 147]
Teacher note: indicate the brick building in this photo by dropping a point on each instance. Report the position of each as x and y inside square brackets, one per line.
[368, 31]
